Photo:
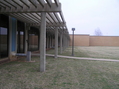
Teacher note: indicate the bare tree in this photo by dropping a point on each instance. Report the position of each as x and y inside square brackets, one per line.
[98, 32]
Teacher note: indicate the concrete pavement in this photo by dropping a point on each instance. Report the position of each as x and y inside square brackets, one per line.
[83, 58]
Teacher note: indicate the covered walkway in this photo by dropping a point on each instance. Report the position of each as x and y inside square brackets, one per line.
[41, 18]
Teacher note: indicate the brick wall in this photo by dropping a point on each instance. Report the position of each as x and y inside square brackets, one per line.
[80, 40]
[86, 40]
[104, 40]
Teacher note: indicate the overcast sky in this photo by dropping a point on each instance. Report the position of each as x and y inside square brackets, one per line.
[87, 15]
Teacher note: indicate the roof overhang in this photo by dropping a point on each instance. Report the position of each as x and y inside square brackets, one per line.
[29, 11]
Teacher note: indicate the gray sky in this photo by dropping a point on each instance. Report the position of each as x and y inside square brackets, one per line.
[87, 15]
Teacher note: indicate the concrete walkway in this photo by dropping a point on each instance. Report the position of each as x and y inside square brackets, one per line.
[83, 58]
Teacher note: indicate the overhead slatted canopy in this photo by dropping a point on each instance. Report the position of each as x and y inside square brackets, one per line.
[29, 11]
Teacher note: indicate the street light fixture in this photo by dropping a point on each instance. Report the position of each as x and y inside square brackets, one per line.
[73, 29]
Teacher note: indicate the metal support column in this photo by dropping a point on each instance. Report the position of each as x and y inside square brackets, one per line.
[43, 42]
[50, 42]
[61, 43]
[26, 38]
[47, 42]
[56, 42]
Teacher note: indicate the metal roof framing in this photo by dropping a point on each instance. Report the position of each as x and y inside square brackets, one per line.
[29, 11]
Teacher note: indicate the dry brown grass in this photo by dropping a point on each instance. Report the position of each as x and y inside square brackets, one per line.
[60, 74]
[93, 52]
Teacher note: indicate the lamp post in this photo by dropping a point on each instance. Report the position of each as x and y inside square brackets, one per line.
[73, 29]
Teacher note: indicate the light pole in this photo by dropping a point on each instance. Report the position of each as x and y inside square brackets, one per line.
[73, 29]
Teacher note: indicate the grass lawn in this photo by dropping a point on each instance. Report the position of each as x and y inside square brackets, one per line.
[92, 52]
[60, 73]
